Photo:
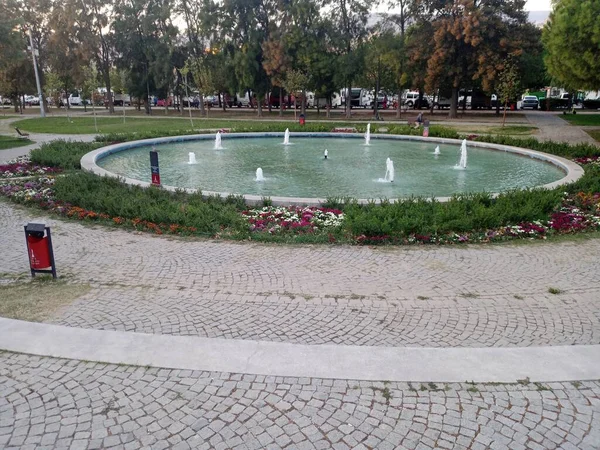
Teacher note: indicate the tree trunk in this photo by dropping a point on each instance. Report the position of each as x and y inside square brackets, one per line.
[349, 101]
[202, 110]
[111, 106]
[328, 108]
[497, 107]
[377, 99]
[453, 104]
[399, 107]
[259, 106]
[303, 107]
[224, 102]
[504, 116]
[280, 102]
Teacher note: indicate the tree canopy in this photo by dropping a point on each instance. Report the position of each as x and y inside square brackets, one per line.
[572, 39]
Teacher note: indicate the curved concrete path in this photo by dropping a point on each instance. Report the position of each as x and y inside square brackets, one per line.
[347, 298]
[374, 312]
[553, 128]
[37, 138]
[505, 365]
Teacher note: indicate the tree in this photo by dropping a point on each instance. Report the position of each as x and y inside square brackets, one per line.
[572, 39]
[276, 64]
[295, 83]
[33, 16]
[144, 41]
[97, 39]
[15, 66]
[351, 15]
[246, 27]
[469, 40]
[508, 85]
[381, 62]
[64, 52]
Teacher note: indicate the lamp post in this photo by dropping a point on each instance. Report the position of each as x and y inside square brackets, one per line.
[37, 75]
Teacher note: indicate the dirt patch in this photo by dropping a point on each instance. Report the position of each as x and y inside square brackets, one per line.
[39, 299]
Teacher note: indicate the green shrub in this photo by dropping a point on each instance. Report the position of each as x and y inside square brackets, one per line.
[471, 212]
[111, 196]
[554, 148]
[64, 154]
[280, 127]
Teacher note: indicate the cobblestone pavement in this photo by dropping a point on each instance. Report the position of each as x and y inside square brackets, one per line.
[468, 296]
[59, 404]
[450, 322]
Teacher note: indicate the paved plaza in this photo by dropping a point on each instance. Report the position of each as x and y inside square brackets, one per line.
[512, 296]
[60, 404]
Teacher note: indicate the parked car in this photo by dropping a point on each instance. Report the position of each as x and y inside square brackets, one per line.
[164, 102]
[122, 99]
[194, 102]
[244, 99]
[442, 102]
[530, 101]
[73, 100]
[382, 101]
[410, 99]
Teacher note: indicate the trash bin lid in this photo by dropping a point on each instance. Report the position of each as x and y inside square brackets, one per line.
[36, 229]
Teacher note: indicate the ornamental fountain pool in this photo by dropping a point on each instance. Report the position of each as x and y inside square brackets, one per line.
[322, 165]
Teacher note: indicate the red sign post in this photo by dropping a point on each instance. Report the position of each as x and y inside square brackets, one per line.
[154, 168]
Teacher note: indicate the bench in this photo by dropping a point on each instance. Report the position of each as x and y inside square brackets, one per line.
[22, 134]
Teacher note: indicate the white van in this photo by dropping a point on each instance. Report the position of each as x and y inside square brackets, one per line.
[73, 100]
[409, 99]
[243, 99]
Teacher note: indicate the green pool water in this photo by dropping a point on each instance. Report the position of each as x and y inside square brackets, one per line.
[352, 169]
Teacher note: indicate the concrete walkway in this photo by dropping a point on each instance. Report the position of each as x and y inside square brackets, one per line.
[37, 138]
[269, 344]
[506, 365]
[553, 128]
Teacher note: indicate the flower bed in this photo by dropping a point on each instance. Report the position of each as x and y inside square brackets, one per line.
[23, 167]
[577, 213]
[595, 160]
[297, 219]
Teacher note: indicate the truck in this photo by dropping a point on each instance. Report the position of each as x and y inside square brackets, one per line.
[122, 100]
[321, 102]
[359, 97]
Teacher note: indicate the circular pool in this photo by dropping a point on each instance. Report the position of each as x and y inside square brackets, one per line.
[352, 169]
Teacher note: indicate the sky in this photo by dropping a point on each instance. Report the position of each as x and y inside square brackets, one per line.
[538, 5]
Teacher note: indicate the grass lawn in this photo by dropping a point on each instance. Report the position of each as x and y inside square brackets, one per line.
[85, 125]
[582, 119]
[508, 130]
[7, 142]
[39, 299]
[595, 134]
[114, 124]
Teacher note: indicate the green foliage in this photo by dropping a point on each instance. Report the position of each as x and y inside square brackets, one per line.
[12, 142]
[279, 127]
[572, 39]
[554, 148]
[62, 154]
[113, 197]
[583, 119]
[463, 213]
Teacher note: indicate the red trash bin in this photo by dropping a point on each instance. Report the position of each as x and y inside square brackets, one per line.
[39, 252]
